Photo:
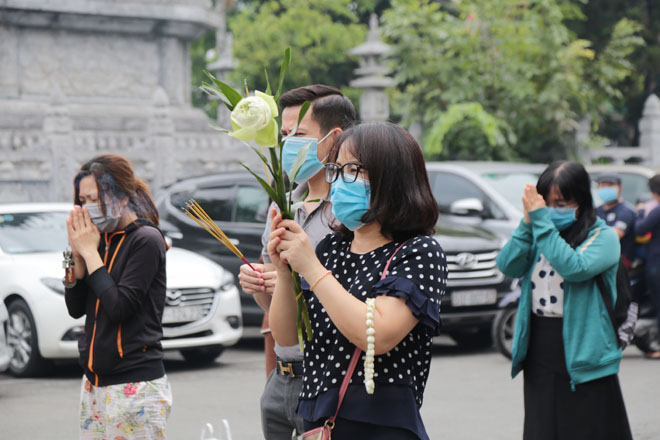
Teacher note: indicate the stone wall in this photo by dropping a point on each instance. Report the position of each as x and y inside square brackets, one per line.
[84, 77]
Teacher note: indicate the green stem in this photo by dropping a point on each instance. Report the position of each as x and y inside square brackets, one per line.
[302, 319]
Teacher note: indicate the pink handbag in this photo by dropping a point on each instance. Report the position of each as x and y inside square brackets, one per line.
[325, 432]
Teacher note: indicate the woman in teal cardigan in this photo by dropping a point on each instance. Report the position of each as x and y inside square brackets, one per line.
[564, 341]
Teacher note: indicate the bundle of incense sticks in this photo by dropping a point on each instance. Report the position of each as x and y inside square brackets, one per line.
[195, 212]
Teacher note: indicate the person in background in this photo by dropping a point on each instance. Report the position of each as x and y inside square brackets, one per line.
[618, 214]
[119, 257]
[329, 114]
[564, 340]
[648, 221]
[382, 197]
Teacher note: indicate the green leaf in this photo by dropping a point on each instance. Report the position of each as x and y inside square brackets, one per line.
[271, 192]
[303, 111]
[261, 156]
[296, 206]
[301, 114]
[268, 91]
[278, 178]
[305, 316]
[210, 90]
[232, 95]
[283, 69]
[218, 128]
[300, 159]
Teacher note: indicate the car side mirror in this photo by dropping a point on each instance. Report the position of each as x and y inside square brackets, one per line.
[472, 207]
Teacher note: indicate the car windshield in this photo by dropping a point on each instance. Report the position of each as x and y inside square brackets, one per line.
[510, 184]
[22, 233]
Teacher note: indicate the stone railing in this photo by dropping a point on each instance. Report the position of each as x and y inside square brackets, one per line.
[648, 151]
[38, 167]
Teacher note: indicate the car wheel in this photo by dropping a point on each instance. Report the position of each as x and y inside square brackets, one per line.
[477, 338]
[503, 328]
[202, 355]
[22, 339]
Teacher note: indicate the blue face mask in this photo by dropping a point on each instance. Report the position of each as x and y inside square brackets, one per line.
[311, 165]
[563, 218]
[350, 201]
[608, 194]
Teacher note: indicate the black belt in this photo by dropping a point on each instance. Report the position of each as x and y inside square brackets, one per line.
[291, 369]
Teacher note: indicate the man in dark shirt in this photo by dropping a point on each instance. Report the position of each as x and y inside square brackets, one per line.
[648, 221]
[618, 214]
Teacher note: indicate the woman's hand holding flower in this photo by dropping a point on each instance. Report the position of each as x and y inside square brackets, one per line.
[289, 244]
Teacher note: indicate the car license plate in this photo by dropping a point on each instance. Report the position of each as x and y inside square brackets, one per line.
[183, 314]
[466, 298]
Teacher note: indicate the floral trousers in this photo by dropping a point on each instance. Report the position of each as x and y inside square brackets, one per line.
[128, 411]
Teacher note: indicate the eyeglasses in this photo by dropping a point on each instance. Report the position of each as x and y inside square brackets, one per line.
[349, 172]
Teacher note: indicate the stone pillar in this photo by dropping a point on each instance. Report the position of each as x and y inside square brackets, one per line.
[221, 68]
[649, 129]
[161, 139]
[58, 128]
[372, 75]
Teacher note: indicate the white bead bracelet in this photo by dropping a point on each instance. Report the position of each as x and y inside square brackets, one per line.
[369, 383]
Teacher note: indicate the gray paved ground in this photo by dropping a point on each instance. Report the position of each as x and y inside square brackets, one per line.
[469, 396]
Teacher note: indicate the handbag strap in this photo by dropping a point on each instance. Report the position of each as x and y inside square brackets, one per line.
[600, 282]
[357, 352]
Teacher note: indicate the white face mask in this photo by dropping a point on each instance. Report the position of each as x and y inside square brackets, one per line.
[105, 223]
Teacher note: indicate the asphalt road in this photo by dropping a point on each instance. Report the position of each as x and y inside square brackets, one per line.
[469, 396]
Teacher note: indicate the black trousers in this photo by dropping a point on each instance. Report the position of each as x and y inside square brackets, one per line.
[594, 411]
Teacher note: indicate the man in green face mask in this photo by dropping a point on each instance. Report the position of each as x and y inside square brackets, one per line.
[329, 114]
[617, 214]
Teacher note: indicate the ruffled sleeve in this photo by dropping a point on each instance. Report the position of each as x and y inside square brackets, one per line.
[418, 274]
[426, 309]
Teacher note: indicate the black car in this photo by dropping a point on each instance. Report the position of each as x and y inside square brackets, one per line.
[475, 286]
[238, 204]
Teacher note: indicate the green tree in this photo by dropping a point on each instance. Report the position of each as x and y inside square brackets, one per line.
[319, 32]
[597, 22]
[503, 79]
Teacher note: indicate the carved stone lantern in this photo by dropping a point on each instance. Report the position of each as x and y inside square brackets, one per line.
[372, 75]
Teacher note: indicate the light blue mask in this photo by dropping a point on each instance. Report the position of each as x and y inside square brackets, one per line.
[311, 165]
[563, 218]
[608, 194]
[350, 201]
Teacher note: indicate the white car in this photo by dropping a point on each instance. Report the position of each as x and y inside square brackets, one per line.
[202, 312]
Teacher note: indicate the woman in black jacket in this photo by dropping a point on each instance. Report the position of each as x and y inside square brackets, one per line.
[119, 265]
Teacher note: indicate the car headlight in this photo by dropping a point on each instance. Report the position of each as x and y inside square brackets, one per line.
[54, 284]
[226, 280]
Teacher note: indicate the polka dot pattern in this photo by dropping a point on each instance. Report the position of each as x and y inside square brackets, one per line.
[422, 264]
[547, 290]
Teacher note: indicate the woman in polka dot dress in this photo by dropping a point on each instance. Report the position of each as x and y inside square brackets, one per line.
[564, 340]
[381, 194]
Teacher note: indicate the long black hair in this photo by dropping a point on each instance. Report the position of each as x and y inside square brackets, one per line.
[401, 198]
[574, 184]
[115, 180]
